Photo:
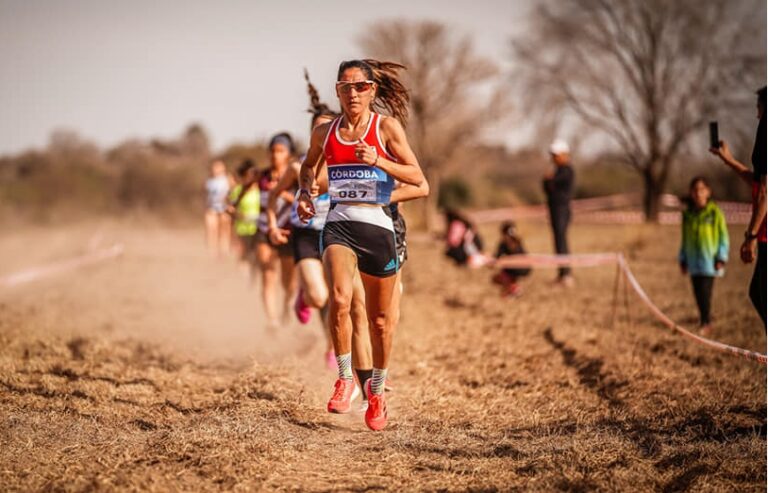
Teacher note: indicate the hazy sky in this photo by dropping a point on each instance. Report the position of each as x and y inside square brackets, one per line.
[112, 69]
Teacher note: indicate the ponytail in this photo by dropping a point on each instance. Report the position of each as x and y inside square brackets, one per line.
[316, 107]
[391, 95]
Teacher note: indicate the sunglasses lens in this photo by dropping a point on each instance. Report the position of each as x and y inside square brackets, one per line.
[346, 87]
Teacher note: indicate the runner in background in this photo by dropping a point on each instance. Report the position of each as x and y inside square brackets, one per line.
[705, 247]
[360, 150]
[245, 207]
[271, 257]
[217, 221]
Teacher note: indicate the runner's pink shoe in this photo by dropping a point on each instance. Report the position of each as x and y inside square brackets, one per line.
[344, 391]
[303, 312]
[376, 414]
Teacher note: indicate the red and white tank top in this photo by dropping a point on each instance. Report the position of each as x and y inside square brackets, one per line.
[349, 179]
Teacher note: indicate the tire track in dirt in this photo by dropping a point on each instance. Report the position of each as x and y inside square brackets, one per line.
[590, 370]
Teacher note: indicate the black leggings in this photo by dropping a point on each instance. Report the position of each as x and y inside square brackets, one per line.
[559, 218]
[757, 286]
[702, 289]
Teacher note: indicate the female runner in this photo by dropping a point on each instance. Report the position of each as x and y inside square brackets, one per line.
[244, 208]
[217, 221]
[365, 153]
[268, 255]
[313, 289]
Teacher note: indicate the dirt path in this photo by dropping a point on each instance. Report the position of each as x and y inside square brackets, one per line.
[154, 372]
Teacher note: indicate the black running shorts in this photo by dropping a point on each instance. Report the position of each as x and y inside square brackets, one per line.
[284, 250]
[306, 244]
[368, 232]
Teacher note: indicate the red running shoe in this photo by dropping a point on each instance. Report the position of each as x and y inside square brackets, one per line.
[344, 392]
[376, 414]
[303, 312]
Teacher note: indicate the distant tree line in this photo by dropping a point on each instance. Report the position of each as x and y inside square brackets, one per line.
[72, 177]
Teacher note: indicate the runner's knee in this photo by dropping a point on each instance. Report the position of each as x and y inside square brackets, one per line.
[316, 296]
[380, 324]
[342, 301]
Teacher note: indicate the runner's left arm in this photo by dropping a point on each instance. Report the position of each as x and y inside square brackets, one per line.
[286, 181]
[307, 173]
[405, 192]
[407, 170]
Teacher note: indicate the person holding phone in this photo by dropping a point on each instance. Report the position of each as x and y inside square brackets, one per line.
[754, 245]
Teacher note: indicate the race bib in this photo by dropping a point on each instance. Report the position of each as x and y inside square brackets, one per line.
[353, 191]
[356, 183]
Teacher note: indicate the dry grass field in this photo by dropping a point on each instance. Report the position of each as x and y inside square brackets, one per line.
[153, 372]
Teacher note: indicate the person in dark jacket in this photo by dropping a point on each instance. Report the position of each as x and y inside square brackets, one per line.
[558, 186]
[754, 245]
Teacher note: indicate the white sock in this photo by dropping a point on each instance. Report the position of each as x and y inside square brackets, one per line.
[345, 366]
[377, 380]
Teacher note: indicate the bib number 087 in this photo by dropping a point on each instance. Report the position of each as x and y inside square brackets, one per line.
[352, 194]
[353, 190]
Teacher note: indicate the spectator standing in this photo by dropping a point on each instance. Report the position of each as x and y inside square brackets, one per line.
[558, 186]
[754, 245]
[704, 248]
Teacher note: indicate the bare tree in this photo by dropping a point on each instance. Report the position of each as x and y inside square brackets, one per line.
[648, 73]
[446, 79]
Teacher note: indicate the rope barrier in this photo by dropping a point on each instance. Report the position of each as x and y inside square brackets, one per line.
[597, 259]
[662, 317]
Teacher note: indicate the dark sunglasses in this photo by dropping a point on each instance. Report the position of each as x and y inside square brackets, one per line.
[346, 87]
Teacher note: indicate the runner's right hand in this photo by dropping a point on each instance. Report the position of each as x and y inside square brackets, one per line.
[305, 208]
[278, 236]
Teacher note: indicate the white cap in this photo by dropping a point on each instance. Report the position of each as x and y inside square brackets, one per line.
[559, 146]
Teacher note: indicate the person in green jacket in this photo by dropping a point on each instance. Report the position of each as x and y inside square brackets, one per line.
[705, 246]
[246, 210]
